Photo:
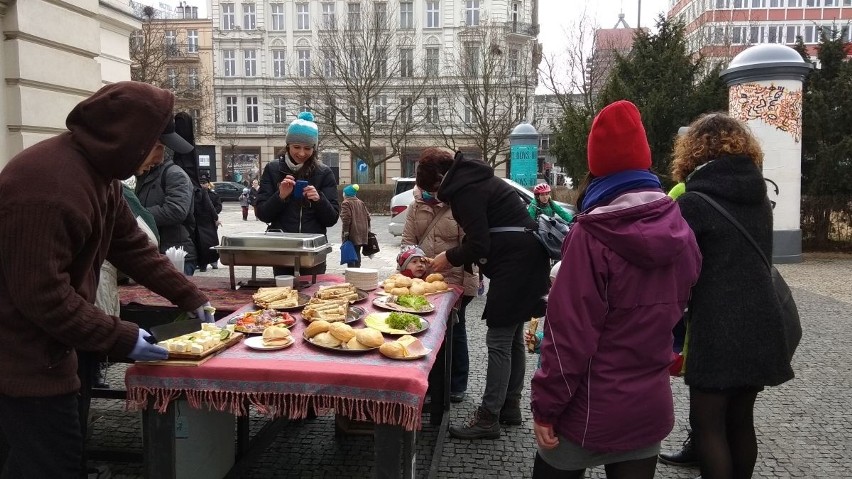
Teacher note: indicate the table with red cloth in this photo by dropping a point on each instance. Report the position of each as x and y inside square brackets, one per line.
[218, 291]
[292, 382]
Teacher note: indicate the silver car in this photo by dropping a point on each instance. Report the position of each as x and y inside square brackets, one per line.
[405, 195]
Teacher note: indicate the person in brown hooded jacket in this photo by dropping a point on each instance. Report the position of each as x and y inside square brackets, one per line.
[53, 240]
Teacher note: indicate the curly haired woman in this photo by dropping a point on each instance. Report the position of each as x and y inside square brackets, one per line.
[735, 339]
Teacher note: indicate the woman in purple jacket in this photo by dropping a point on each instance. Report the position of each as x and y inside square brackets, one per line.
[602, 394]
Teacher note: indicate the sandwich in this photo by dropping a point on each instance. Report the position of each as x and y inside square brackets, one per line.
[276, 336]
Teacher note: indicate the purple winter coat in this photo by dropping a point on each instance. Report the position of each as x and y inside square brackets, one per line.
[627, 269]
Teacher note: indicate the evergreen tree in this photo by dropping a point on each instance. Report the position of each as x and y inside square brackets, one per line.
[826, 137]
[666, 82]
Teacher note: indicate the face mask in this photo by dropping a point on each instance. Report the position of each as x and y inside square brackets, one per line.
[428, 198]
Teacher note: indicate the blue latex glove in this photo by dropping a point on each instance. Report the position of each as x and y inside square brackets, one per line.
[204, 312]
[145, 351]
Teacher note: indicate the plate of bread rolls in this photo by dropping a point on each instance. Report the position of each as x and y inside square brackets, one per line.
[342, 337]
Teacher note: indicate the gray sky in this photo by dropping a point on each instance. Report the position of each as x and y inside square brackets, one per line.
[555, 15]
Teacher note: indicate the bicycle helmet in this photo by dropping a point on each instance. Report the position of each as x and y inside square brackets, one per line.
[541, 189]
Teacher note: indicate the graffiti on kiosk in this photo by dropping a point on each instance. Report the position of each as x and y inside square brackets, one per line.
[778, 106]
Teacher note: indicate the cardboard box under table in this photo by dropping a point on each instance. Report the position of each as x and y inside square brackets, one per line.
[290, 383]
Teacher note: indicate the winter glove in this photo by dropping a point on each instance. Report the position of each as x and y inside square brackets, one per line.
[145, 351]
[204, 312]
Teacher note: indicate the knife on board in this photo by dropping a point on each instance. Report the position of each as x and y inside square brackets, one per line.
[173, 330]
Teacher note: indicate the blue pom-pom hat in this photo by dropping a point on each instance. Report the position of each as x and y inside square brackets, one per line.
[303, 130]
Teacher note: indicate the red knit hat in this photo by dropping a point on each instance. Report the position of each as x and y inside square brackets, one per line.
[617, 141]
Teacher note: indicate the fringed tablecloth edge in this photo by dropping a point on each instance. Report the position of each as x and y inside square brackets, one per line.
[290, 405]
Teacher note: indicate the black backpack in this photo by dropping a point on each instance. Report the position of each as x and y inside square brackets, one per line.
[201, 223]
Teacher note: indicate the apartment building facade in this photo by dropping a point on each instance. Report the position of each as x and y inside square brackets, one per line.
[88, 39]
[722, 28]
[173, 49]
[268, 54]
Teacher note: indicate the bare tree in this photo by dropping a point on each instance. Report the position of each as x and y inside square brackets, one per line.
[490, 95]
[365, 83]
[148, 54]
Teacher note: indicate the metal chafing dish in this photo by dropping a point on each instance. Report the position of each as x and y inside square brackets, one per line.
[272, 248]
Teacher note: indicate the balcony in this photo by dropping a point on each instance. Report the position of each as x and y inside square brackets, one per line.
[522, 29]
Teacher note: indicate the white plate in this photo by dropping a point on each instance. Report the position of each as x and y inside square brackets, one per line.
[384, 302]
[377, 321]
[412, 357]
[256, 342]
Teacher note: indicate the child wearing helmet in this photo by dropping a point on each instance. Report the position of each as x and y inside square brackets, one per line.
[244, 203]
[541, 204]
[412, 262]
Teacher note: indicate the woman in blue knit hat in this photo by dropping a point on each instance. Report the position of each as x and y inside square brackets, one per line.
[356, 221]
[298, 194]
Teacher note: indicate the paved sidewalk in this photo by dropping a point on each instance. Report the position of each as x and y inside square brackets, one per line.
[804, 426]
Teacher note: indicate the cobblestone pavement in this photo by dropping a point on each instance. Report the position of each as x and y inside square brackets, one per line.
[804, 427]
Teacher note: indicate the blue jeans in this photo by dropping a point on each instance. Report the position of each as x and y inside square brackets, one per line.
[461, 361]
[44, 437]
[189, 268]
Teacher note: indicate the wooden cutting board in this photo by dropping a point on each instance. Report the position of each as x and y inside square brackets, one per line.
[189, 359]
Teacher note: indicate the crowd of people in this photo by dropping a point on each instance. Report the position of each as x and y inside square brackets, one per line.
[634, 260]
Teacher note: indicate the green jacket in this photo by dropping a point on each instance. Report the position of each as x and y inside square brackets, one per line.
[549, 209]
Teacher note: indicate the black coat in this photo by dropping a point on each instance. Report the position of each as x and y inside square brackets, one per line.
[298, 216]
[736, 337]
[515, 263]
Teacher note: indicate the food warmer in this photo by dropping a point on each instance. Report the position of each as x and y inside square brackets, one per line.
[272, 248]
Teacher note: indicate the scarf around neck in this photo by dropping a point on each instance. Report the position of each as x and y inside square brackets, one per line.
[605, 188]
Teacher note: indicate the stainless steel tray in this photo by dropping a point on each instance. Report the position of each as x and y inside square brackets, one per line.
[275, 240]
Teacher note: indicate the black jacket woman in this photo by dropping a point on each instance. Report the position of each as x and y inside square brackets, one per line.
[292, 208]
[736, 343]
[516, 265]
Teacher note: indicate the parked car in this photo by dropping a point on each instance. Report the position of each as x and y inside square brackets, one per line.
[404, 196]
[228, 190]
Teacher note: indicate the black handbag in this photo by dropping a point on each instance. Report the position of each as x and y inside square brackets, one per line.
[789, 312]
[372, 246]
[551, 232]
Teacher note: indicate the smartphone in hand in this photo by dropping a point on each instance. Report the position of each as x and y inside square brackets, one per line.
[299, 188]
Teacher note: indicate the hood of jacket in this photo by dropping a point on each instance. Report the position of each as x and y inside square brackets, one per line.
[643, 227]
[462, 174]
[118, 126]
[735, 179]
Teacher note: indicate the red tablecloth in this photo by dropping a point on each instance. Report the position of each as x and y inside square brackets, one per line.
[292, 381]
[218, 291]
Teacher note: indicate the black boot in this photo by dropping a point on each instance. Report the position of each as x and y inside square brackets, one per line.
[687, 456]
[510, 413]
[483, 425]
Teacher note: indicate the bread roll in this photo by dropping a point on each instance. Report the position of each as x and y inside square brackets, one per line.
[354, 344]
[276, 336]
[399, 291]
[434, 277]
[317, 327]
[393, 350]
[402, 281]
[418, 288]
[341, 331]
[429, 288]
[326, 339]
[416, 281]
[369, 337]
[440, 286]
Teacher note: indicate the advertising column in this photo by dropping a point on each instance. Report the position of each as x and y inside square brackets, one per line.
[765, 91]
[523, 159]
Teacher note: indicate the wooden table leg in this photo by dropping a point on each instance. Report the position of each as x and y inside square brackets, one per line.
[395, 452]
[158, 442]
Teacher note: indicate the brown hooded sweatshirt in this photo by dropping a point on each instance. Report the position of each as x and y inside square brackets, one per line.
[61, 215]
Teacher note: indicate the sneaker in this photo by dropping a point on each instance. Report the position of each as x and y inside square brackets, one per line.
[687, 456]
[482, 425]
[510, 413]
[456, 397]
[203, 269]
[215, 265]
